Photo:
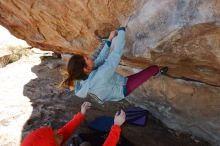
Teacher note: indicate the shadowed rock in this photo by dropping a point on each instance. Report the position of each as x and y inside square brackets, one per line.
[181, 34]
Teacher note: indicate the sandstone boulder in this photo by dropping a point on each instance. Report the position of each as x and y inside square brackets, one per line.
[192, 53]
[181, 34]
[182, 105]
[63, 26]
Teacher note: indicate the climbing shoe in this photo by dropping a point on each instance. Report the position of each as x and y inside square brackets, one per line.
[164, 70]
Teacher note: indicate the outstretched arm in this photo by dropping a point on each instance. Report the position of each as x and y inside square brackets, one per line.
[109, 66]
[114, 134]
[111, 63]
[98, 50]
[70, 127]
[105, 51]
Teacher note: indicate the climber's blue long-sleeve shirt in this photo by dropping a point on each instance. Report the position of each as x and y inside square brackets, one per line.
[104, 82]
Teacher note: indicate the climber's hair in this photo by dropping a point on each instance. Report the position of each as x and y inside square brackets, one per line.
[74, 71]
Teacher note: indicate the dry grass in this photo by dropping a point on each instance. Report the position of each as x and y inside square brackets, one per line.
[18, 52]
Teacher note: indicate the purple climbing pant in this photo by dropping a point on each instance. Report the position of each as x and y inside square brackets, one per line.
[137, 79]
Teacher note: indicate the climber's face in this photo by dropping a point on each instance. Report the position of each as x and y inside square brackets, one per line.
[89, 64]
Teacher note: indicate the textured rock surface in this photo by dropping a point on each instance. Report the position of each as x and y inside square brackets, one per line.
[73, 26]
[192, 53]
[167, 36]
[182, 34]
[36, 102]
[66, 25]
[181, 105]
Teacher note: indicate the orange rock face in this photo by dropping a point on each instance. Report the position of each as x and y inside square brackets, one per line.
[74, 26]
[181, 34]
[70, 26]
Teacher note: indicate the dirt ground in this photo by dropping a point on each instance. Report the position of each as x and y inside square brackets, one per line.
[52, 106]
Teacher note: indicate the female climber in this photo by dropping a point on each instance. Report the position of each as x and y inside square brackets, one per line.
[97, 75]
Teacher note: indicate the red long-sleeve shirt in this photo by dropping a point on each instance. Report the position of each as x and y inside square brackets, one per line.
[45, 137]
[70, 127]
[113, 136]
